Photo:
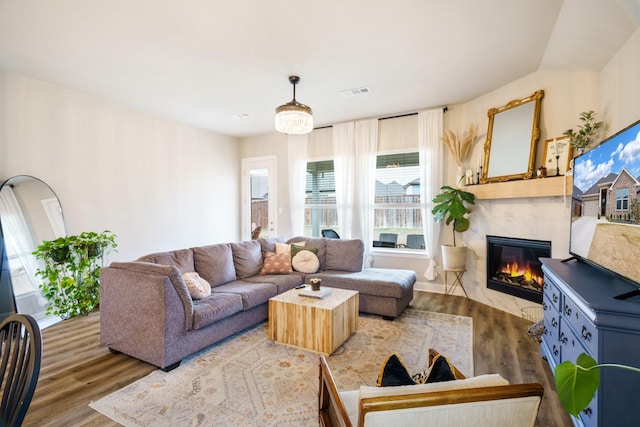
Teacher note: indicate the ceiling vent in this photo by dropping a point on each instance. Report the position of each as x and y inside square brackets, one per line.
[355, 92]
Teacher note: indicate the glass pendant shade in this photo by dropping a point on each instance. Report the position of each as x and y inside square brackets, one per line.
[294, 118]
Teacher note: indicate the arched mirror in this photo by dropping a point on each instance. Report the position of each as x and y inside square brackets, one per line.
[512, 137]
[30, 213]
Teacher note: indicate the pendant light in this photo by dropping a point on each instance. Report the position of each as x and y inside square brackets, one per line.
[293, 117]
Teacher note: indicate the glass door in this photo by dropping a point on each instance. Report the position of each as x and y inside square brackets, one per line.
[259, 197]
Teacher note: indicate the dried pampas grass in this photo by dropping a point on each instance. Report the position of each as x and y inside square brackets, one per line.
[460, 148]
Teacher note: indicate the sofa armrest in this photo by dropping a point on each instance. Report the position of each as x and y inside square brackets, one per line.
[142, 309]
[122, 274]
[332, 410]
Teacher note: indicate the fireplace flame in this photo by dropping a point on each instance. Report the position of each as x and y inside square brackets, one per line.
[515, 270]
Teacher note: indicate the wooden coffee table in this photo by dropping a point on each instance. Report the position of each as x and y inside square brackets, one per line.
[319, 325]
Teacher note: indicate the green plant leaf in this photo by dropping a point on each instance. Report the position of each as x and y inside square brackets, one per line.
[461, 224]
[577, 383]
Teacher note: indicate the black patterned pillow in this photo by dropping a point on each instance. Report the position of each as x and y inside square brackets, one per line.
[440, 370]
[394, 372]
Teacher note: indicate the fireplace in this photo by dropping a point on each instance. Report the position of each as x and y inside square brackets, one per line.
[513, 266]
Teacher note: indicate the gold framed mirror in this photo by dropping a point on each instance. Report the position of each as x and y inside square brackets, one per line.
[512, 137]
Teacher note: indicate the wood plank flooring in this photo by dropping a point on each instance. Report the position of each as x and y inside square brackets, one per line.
[77, 370]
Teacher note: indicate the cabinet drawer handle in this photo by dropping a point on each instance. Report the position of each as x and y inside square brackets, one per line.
[567, 310]
[555, 298]
[563, 338]
[555, 350]
[554, 322]
[585, 334]
[587, 411]
[544, 306]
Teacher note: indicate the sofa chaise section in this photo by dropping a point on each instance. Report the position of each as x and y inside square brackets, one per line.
[383, 291]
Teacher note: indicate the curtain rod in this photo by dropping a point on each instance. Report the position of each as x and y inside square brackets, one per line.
[444, 110]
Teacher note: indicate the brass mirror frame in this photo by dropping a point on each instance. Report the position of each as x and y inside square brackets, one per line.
[531, 139]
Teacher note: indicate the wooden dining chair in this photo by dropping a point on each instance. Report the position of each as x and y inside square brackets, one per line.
[20, 359]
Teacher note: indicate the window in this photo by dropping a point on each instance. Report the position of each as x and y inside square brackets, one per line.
[320, 203]
[397, 215]
[622, 199]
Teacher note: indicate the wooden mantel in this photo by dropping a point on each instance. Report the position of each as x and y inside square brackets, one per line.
[537, 187]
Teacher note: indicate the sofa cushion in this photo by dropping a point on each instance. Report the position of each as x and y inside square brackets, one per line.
[383, 282]
[276, 264]
[313, 242]
[214, 263]
[198, 287]
[247, 258]
[252, 294]
[488, 380]
[216, 306]
[283, 282]
[394, 372]
[305, 261]
[181, 258]
[268, 244]
[344, 255]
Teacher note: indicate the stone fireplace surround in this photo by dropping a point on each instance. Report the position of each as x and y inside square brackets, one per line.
[533, 215]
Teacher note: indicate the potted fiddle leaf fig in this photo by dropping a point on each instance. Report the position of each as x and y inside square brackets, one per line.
[449, 206]
[70, 271]
[577, 383]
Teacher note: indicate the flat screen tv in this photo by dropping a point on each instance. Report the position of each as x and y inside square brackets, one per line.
[605, 220]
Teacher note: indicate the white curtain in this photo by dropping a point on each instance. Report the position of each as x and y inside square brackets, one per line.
[19, 244]
[298, 146]
[430, 129]
[344, 170]
[366, 150]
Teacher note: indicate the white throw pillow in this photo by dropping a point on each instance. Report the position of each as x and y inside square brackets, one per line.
[198, 287]
[305, 262]
[285, 248]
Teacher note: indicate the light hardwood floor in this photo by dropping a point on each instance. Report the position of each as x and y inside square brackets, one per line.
[77, 370]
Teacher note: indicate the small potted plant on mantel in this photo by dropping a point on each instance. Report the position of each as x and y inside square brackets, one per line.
[587, 131]
[449, 206]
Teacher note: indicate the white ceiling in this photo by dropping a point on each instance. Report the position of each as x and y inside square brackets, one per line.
[203, 61]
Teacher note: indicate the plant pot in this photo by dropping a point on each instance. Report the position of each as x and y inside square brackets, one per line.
[454, 257]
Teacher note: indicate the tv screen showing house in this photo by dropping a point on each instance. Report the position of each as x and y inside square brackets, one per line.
[605, 220]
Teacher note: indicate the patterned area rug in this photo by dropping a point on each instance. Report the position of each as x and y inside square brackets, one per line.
[248, 380]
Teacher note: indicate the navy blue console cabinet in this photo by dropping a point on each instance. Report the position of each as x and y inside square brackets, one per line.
[582, 315]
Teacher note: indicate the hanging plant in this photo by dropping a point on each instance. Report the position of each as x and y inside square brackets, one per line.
[71, 272]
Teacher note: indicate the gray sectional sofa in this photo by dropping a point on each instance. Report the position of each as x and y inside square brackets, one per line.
[146, 310]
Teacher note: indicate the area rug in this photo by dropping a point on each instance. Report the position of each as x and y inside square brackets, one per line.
[248, 380]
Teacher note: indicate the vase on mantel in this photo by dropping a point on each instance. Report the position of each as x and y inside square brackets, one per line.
[461, 174]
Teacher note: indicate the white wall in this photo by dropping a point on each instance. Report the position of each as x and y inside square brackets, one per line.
[620, 86]
[156, 184]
